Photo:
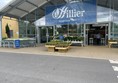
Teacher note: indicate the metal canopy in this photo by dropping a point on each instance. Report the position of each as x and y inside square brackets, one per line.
[35, 9]
[20, 8]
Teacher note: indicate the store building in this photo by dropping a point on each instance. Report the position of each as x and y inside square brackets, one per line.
[85, 18]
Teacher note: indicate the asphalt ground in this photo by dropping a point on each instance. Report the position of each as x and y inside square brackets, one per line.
[29, 68]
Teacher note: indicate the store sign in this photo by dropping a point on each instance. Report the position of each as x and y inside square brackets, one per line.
[71, 13]
[64, 12]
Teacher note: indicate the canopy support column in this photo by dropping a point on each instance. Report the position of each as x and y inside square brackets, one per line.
[47, 34]
[109, 31]
[84, 34]
[38, 36]
[54, 31]
[0, 30]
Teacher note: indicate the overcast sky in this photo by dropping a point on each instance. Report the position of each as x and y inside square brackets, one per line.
[3, 3]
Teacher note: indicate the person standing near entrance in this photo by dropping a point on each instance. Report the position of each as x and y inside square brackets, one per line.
[61, 37]
[98, 38]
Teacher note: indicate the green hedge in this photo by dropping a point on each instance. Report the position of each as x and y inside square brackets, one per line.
[59, 43]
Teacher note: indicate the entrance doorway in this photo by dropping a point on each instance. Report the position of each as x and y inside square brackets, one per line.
[97, 34]
[45, 34]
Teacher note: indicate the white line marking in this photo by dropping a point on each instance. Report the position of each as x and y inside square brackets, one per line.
[115, 68]
[113, 61]
[117, 76]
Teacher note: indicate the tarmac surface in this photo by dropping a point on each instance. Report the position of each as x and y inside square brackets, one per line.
[31, 68]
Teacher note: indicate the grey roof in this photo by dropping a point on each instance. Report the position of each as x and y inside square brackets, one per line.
[30, 8]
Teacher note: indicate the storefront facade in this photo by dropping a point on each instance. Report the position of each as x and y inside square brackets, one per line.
[102, 20]
[84, 18]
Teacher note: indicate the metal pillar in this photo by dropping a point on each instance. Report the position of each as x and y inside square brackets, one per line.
[84, 34]
[0, 30]
[19, 20]
[38, 36]
[26, 22]
[35, 20]
[54, 32]
[77, 29]
[109, 31]
[36, 27]
[68, 30]
[26, 29]
[106, 35]
[47, 34]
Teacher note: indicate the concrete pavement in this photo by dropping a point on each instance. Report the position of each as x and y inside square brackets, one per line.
[96, 52]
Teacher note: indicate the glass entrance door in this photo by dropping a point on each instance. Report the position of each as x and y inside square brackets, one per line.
[96, 34]
[46, 34]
